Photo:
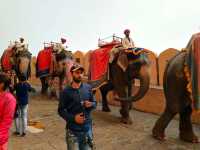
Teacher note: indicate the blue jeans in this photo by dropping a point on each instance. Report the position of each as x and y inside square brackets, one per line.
[21, 120]
[78, 140]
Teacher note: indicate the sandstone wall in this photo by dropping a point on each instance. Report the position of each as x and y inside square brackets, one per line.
[163, 59]
[79, 57]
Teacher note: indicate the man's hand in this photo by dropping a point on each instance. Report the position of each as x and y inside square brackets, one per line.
[87, 104]
[79, 118]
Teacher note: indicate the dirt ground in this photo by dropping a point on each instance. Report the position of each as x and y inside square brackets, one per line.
[109, 133]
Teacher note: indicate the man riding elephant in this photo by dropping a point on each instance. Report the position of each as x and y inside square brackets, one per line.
[127, 41]
[127, 45]
[124, 67]
[59, 47]
[21, 46]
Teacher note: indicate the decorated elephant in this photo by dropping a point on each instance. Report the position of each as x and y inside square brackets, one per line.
[123, 69]
[51, 64]
[15, 64]
[181, 85]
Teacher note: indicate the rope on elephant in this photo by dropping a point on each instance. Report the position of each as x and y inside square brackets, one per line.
[188, 77]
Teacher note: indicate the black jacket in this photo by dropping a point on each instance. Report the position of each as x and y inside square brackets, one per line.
[70, 104]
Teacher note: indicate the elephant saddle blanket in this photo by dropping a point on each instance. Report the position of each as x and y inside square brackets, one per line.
[99, 60]
[6, 61]
[193, 62]
[44, 62]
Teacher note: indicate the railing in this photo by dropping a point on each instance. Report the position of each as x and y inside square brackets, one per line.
[105, 41]
[49, 44]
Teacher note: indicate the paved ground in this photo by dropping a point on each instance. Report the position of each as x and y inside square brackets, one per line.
[109, 133]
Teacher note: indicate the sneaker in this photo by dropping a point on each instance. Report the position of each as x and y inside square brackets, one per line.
[16, 133]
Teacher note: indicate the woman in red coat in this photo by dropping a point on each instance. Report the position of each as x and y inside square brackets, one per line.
[7, 110]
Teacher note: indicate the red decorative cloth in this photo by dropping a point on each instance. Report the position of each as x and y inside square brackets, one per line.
[5, 60]
[44, 61]
[99, 60]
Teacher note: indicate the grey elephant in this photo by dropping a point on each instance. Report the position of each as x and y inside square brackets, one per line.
[50, 65]
[123, 70]
[16, 64]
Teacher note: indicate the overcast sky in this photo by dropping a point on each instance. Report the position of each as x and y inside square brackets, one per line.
[154, 24]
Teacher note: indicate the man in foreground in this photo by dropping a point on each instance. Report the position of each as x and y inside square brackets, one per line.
[75, 106]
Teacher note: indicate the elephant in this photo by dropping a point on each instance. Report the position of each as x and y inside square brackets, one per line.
[24, 65]
[16, 65]
[178, 99]
[122, 72]
[59, 69]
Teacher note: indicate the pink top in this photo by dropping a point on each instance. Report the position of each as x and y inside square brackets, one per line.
[7, 110]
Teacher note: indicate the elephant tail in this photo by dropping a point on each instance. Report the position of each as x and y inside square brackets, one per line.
[165, 78]
[165, 86]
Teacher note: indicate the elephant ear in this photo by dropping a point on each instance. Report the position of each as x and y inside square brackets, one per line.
[122, 61]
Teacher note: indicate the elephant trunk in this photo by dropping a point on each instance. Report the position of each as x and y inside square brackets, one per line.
[144, 78]
[97, 84]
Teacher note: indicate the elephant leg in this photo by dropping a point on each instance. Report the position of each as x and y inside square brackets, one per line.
[44, 85]
[15, 80]
[124, 111]
[29, 71]
[129, 74]
[104, 91]
[161, 124]
[53, 93]
[125, 105]
[129, 94]
[61, 80]
[185, 126]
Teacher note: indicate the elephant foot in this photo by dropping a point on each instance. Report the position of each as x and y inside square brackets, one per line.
[125, 117]
[130, 107]
[43, 93]
[189, 138]
[106, 109]
[53, 94]
[126, 120]
[160, 137]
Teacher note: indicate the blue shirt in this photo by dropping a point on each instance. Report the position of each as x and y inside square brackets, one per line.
[70, 104]
[22, 90]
